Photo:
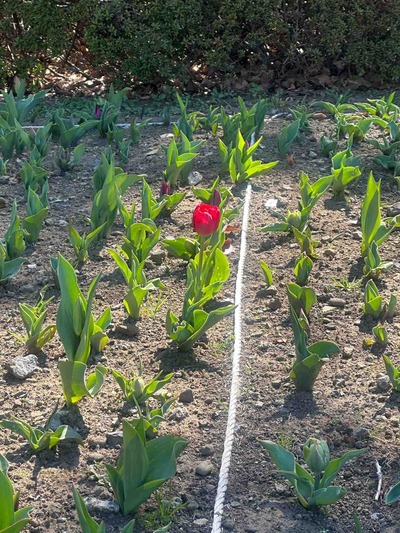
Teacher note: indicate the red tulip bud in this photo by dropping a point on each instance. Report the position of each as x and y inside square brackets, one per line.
[206, 219]
[97, 111]
[165, 188]
[216, 198]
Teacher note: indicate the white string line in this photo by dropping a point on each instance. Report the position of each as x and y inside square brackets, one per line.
[235, 383]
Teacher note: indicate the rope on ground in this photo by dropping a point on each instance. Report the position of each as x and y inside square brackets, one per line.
[235, 384]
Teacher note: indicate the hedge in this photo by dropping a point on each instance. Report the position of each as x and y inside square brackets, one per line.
[161, 41]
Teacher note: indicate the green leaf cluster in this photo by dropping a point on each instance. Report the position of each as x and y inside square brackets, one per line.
[40, 439]
[12, 519]
[309, 359]
[79, 332]
[312, 489]
[143, 466]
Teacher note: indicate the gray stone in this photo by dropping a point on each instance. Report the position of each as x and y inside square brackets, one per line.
[271, 291]
[347, 352]
[178, 414]
[200, 522]
[158, 256]
[114, 438]
[186, 396]
[275, 304]
[23, 366]
[94, 457]
[204, 468]
[337, 302]
[357, 235]
[276, 384]
[361, 434]
[393, 210]
[207, 450]
[327, 310]
[383, 383]
[100, 506]
[129, 330]
[228, 524]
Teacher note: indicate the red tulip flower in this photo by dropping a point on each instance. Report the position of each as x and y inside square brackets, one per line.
[165, 188]
[216, 198]
[206, 219]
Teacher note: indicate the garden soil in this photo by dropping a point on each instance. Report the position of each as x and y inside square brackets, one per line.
[347, 407]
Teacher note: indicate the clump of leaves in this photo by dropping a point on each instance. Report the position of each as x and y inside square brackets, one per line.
[10, 268]
[13, 239]
[36, 210]
[309, 359]
[12, 519]
[143, 465]
[312, 489]
[82, 243]
[135, 390]
[33, 317]
[42, 438]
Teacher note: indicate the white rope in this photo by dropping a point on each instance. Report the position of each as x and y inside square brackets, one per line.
[235, 384]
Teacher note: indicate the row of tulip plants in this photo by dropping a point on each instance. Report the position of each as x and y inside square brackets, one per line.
[147, 460]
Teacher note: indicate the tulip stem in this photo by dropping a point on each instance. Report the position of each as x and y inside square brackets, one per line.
[200, 267]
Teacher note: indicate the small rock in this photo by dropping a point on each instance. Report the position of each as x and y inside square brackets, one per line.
[195, 177]
[312, 154]
[200, 522]
[270, 291]
[228, 524]
[100, 506]
[158, 256]
[186, 396]
[275, 304]
[337, 302]
[55, 421]
[130, 330]
[207, 450]
[276, 384]
[393, 210]
[383, 383]
[328, 310]
[347, 352]
[94, 457]
[329, 252]
[96, 442]
[23, 366]
[114, 438]
[357, 235]
[325, 239]
[178, 414]
[361, 434]
[267, 244]
[271, 203]
[204, 468]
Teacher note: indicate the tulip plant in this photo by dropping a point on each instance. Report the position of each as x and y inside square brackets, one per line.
[309, 359]
[81, 244]
[167, 203]
[302, 269]
[301, 298]
[241, 164]
[107, 200]
[206, 274]
[13, 239]
[37, 209]
[33, 317]
[135, 278]
[393, 372]
[79, 333]
[33, 176]
[312, 489]
[309, 195]
[135, 390]
[8, 268]
[176, 164]
[45, 438]
[344, 169]
[12, 519]
[143, 466]
[287, 136]
[140, 239]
